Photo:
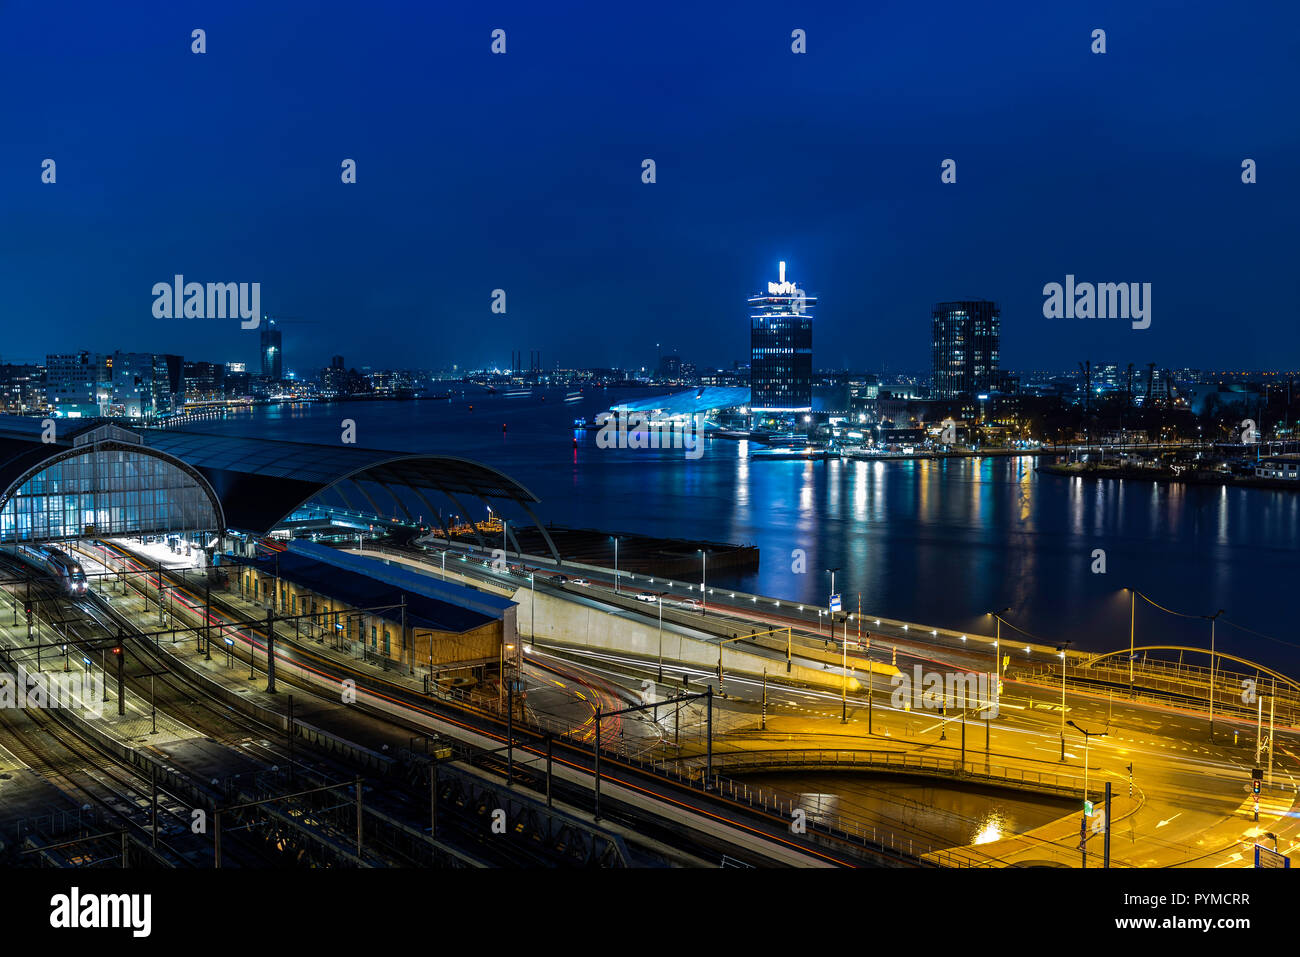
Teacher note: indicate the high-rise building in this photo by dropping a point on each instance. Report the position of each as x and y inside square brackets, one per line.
[135, 393]
[780, 337]
[272, 353]
[237, 379]
[204, 381]
[22, 388]
[965, 347]
[78, 384]
[670, 366]
[334, 380]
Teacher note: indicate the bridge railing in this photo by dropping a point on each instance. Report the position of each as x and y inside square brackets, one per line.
[1227, 697]
[974, 769]
[718, 599]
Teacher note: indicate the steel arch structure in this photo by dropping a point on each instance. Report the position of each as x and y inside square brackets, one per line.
[1263, 669]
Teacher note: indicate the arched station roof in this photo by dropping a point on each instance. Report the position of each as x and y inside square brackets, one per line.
[259, 483]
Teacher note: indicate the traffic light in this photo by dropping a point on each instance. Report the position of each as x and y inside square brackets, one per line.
[1255, 786]
[27, 608]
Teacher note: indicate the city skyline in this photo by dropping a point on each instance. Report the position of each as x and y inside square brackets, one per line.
[406, 259]
[902, 473]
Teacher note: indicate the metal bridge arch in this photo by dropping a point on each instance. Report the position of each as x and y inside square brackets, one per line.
[1263, 669]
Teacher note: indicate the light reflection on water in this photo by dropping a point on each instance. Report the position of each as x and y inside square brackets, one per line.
[933, 817]
[935, 542]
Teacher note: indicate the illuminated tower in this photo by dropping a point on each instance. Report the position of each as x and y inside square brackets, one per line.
[272, 354]
[780, 337]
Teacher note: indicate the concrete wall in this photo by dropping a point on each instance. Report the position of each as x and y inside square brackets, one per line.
[569, 621]
[564, 622]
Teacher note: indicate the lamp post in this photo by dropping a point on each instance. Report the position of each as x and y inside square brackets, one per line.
[615, 564]
[1083, 829]
[661, 638]
[1213, 659]
[501, 671]
[997, 667]
[832, 574]
[997, 641]
[704, 569]
[1132, 603]
[1086, 736]
[844, 667]
[1062, 648]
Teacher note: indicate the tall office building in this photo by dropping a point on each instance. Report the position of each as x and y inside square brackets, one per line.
[204, 381]
[780, 337]
[22, 388]
[965, 347]
[78, 384]
[272, 354]
[133, 385]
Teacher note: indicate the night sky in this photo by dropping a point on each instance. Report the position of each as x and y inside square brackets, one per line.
[523, 172]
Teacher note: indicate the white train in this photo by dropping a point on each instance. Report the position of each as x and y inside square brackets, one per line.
[58, 563]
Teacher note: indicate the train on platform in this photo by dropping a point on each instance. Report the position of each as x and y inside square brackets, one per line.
[56, 562]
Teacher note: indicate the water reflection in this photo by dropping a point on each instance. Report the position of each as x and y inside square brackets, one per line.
[992, 829]
[910, 536]
[932, 816]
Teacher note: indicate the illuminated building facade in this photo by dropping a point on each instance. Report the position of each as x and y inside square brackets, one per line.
[780, 368]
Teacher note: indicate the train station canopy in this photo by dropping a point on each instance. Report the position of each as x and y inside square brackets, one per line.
[70, 478]
[425, 601]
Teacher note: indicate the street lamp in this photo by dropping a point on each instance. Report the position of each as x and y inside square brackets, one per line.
[844, 668]
[1086, 736]
[501, 666]
[997, 641]
[704, 569]
[1212, 670]
[832, 574]
[1061, 648]
[661, 638]
[615, 537]
[1083, 824]
[1132, 602]
[997, 661]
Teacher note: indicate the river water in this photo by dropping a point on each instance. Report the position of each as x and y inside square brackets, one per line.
[936, 542]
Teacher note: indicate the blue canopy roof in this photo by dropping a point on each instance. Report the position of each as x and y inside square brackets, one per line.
[371, 583]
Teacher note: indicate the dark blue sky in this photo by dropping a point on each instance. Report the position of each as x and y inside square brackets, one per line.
[523, 172]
